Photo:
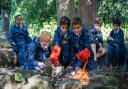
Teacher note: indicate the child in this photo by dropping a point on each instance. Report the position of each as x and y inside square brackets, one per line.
[116, 46]
[62, 36]
[39, 50]
[19, 39]
[81, 44]
[97, 36]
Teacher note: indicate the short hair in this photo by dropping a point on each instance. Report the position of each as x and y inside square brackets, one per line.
[17, 16]
[65, 20]
[76, 20]
[45, 36]
[116, 21]
[98, 21]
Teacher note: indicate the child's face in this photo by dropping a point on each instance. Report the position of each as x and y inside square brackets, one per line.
[64, 28]
[45, 41]
[19, 21]
[45, 45]
[77, 29]
[97, 27]
[116, 26]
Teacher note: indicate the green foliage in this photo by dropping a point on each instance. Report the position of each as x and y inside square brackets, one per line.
[3, 42]
[110, 9]
[5, 4]
[106, 28]
[34, 30]
[36, 13]
[40, 15]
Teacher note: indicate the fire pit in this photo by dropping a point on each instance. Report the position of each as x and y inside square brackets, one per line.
[82, 76]
[69, 79]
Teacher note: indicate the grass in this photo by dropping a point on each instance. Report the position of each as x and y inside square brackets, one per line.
[3, 42]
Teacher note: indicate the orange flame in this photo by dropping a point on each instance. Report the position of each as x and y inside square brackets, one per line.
[82, 76]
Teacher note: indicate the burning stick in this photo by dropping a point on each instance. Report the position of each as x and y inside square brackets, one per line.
[81, 74]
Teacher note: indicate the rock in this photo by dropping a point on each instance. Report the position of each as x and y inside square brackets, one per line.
[47, 71]
[107, 78]
[110, 87]
[7, 58]
[7, 80]
[3, 59]
[12, 58]
[112, 81]
[1, 46]
[38, 82]
[57, 70]
[5, 71]
[103, 82]
[69, 84]
[7, 46]
[27, 73]
[102, 87]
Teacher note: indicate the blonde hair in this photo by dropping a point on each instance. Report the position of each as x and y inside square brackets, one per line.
[45, 36]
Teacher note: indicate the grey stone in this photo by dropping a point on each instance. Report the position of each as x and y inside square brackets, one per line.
[7, 58]
[56, 71]
[103, 82]
[38, 82]
[69, 84]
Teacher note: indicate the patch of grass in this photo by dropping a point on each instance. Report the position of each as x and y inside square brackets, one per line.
[3, 42]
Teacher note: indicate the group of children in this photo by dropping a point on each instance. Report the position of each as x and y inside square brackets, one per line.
[73, 45]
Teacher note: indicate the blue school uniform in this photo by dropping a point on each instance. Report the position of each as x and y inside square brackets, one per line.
[116, 47]
[36, 54]
[64, 42]
[79, 43]
[19, 40]
[97, 36]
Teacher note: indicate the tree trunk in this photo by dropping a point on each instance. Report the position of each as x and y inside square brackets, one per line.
[87, 12]
[85, 9]
[5, 21]
[65, 8]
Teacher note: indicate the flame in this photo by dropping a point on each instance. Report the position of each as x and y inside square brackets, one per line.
[83, 76]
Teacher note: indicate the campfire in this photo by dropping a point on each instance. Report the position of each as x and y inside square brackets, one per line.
[82, 76]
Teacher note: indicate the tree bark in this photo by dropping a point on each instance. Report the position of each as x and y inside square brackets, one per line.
[87, 12]
[5, 20]
[85, 9]
[65, 8]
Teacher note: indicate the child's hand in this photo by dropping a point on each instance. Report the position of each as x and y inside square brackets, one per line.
[95, 58]
[69, 67]
[77, 55]
[13, 44]
[110, 38]
[100, 49]
[41, 64]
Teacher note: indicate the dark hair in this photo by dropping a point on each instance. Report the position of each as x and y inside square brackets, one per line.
[17, 16]
[65, 20]
[116, 21]
[98, 21]
[76, 20]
